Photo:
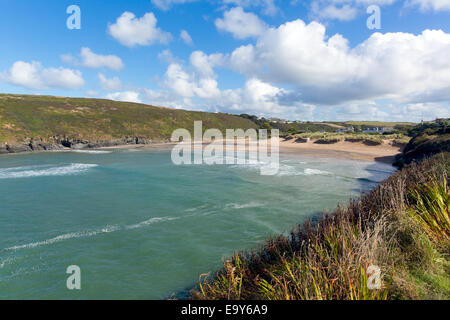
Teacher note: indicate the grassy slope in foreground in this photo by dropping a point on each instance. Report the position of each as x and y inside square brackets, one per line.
[402, 226]
[23, 117]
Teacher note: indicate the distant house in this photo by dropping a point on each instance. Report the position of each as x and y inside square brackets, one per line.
[372, 130]
[344, 130]
[386, 129]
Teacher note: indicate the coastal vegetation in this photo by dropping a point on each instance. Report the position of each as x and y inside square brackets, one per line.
[427, 139]
[366, 138]
[31, 121]
[401, 228]
[296, 127]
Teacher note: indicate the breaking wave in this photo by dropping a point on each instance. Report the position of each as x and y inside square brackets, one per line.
[91, 151]
[43, 171]
[90, 233]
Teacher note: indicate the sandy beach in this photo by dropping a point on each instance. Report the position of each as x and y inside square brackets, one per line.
[385, 152]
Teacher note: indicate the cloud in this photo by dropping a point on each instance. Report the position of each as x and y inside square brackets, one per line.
[91, 93]
[195, 87]
[184, 35]
[167, 56]
[342, 13]
[34, 76]
[325, 70]
[92, 60]
[126, 96]
[204, 64]
[325, 76]
[430, 5]
[109, 84]
[188, 85]
[268, 6]
[241, 24]
[167, 4]
[374, 110]
[342, 10]
[132, 31]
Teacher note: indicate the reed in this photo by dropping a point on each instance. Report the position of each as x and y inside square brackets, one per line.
[401, 227]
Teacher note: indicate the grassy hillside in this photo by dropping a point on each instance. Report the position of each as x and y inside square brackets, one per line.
[428, 139]
[402, 227]
[23, 117]
[378, 123]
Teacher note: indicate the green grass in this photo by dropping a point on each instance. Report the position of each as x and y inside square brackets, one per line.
[431, 208]
[427, 139]
[370, 139]
[379, 123]
[329, 259]
[27, 116]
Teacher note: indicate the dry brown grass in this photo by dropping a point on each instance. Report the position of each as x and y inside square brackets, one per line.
[329, 259]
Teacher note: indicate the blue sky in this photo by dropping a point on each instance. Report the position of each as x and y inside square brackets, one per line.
[304, 60]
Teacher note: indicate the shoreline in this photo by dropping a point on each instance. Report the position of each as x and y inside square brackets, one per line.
[346, 150]
[384, 153]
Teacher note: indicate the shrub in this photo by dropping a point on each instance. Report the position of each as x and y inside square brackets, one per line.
[395, 227]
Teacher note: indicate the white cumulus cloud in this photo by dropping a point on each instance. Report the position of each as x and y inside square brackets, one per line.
[126, 96]
[34, 76]
[241, 24]
[132, 31]
[93, 60]
[111, 84]
[326, 70]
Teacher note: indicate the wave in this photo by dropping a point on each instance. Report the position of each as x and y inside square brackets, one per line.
[90, 233]
[91, 151]
[66, 236]
[149, 222]
[245, 205]
[7, 261]
[196, 208]
[285, 168]
[42, 171]
[310, 172]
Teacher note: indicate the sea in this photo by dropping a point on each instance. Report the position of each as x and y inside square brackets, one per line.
[137, 226]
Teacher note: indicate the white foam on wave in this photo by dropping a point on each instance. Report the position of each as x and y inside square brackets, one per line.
[91, 151]
[6, 262]
[237, 206]
[286, 167]
[90, 233]
[310, 172]
[196, 208]
[42, 171]
[149, 222]
[67, 236]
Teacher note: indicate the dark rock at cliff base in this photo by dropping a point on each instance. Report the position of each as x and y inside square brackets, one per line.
[59, 143]
[142, 141]
[40, 145]
[79, 146]
[74, 144]
[3, 149]
[16, 148]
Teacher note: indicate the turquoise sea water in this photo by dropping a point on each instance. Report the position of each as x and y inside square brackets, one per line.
[141, 228]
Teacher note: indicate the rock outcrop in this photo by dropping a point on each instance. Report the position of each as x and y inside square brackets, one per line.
[57, 143]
